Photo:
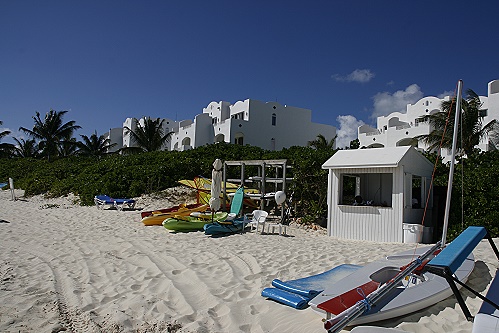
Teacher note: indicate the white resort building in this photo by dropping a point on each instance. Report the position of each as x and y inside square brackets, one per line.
[269, 125]
[400, 129]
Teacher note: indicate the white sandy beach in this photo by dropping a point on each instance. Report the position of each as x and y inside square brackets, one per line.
[69, 268]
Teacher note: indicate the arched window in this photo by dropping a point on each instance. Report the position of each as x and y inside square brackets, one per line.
[274, 119]
[239, 139]
[272, 144]
[219, 138]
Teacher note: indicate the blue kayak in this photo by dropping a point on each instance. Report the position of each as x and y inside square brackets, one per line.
[225, 227]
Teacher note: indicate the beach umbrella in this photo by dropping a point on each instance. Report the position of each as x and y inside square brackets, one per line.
[216, 185]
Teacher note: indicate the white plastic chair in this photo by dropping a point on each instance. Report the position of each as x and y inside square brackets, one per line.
[259, 217]
[282, 228]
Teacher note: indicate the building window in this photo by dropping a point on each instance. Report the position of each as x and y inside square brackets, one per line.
[418, 192]
[483, 112]
[274, 119]
[239, 139]
[272, 144]
[219, 138]
[373, 189]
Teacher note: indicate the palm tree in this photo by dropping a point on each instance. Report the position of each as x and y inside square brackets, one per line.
[26, 148]
[68, 147]
[322, 143]
[51, 132]
[471, 130]
[148, 137]
[94, 145]
[5, 148]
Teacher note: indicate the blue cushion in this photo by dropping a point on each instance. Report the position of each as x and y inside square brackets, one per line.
[458, 250]
[493, 295]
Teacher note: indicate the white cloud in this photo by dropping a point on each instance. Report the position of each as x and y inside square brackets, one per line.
[347, 130]
[358, 75]
[386, 103]
[13, 134]
[447, 93]
[3, 129]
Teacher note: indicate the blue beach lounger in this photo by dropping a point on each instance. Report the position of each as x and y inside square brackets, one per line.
[102, 200]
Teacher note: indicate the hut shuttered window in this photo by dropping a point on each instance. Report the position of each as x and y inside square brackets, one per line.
[366, 189]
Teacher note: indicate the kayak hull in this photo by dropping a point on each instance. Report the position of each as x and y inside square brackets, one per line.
[225, 228]
[190, 223]
[157, 217]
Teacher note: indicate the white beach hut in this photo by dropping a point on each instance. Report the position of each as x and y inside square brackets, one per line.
[378, 194]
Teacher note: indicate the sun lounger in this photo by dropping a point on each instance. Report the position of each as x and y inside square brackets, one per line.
[448, 261]
[120, 203]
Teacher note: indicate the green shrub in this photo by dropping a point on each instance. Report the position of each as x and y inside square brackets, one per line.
[133, 175]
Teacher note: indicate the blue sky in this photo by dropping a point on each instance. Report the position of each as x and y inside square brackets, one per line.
[347, 61]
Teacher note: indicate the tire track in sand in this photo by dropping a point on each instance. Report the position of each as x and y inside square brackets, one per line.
[188, 291]
[71, 318]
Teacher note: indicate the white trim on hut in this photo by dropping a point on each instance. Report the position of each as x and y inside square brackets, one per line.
[373, 192]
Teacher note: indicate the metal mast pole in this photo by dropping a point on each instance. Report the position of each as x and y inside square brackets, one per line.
[452, 161]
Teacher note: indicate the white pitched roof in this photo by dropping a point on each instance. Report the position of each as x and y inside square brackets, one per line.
[370, 158]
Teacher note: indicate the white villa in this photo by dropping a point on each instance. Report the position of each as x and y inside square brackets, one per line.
[400, 129]
[267, 125]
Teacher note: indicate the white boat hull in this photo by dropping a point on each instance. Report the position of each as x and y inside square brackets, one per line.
[410, 296]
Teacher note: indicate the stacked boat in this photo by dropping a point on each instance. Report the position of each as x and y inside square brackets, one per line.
[193, 222]
[158, 216]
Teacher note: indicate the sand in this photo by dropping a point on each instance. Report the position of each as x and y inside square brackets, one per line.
[65, 267]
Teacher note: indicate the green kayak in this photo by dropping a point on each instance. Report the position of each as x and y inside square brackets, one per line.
[192, 223]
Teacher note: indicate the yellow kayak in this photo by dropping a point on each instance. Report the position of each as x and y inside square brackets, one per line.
[183, 210]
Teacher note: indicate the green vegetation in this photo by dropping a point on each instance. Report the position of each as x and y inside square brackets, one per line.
[55, 138]
[136, 174]
[94, 145]
[478, 175]
[321, 142]
[133, 175]
[5, 148]
[148, 137]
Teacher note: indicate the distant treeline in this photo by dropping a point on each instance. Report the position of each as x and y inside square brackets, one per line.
[133, 175]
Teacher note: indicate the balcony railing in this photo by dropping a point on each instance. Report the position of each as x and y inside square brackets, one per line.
[401, 127]
[373, 133]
